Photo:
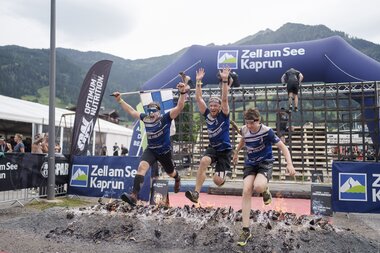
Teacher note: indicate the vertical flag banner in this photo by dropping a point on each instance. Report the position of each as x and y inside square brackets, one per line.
[136, 140]
[88, 105]
[164, 98]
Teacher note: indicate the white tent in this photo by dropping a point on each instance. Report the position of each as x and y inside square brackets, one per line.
[37, 115]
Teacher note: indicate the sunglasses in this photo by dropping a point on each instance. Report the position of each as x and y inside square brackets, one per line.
[152, 110]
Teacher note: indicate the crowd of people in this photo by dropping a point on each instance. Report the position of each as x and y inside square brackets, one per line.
[17, 144]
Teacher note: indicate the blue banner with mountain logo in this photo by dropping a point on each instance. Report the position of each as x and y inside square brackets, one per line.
[106, 176]
[356, 187]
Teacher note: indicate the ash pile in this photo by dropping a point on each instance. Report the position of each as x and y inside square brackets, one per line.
[197, 229]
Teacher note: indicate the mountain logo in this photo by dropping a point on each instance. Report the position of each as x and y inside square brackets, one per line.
[353, 186]
[228, 58]
[79, 175]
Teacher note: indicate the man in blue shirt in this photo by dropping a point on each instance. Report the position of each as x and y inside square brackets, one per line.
[219, 151]
[157, 128]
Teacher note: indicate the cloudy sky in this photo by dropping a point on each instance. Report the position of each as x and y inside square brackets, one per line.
[135, 29]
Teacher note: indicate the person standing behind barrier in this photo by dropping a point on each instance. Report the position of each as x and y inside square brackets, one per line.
[218, 122]
[292, 78]
[157, 128]
[115, 149]
[19, 147]
[3, 147]
[258, 140]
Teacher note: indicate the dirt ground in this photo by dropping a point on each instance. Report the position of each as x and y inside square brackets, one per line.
[117, 227]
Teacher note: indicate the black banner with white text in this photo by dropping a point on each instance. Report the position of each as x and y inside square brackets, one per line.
[88, 105]
[26, 170]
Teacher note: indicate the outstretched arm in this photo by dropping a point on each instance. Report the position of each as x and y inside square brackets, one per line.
[182, 89]
[126, 107]
[198, 91]
[224, 75]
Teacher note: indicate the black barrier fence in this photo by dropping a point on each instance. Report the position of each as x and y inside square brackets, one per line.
[26, 170]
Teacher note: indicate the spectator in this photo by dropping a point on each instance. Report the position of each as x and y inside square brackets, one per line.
[19, 147]
[292, 78]
[37, 144]
[104, 151]
[3, 146]
[116, 149]
[124, 150]
[57, 148]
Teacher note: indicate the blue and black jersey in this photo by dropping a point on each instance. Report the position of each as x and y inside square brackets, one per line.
[218, 130]
[259, 144]
[158, 133]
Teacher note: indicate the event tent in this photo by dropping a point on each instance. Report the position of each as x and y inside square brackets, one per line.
[29, 118]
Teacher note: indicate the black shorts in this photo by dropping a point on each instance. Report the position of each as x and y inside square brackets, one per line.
[221, 158]
[293, 88]
[165, 159]
[264, 168]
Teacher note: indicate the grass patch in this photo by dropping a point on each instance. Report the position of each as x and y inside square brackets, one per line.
[59, 202]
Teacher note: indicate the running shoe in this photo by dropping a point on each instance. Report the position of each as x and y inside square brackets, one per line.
[129, 198]
[192, 196]
[244, 237]
[267, 197]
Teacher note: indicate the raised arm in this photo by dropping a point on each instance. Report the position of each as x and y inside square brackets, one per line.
[182, 89]
[224, 75]
[198, 91]
[126, 107]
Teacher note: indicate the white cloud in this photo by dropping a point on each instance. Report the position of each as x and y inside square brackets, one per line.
[140, 29]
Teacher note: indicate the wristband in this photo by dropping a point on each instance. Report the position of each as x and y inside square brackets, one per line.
[199, 83]
[120, 101]
[225, 81]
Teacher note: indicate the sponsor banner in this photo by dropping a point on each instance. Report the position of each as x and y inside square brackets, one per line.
[88, 106]
[356, 187]
[108, 176]
[160, 193]
[321, 200]
[26, 170]
[135, 148]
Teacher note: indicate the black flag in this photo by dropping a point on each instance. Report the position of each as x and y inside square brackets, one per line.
[88, 105]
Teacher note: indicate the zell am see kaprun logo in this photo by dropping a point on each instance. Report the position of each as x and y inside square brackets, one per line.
[352, 186]
[228, 58]
[79, 175]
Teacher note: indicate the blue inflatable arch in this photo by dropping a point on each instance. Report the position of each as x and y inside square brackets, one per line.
[330, 60]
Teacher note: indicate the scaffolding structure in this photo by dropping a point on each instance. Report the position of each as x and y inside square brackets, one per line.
[335, 121]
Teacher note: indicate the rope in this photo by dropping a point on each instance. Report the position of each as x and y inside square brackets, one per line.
[341, 70]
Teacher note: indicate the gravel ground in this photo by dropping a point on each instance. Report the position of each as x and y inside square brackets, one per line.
[116, 227]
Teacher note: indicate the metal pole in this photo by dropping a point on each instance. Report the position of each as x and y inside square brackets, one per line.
[51, 155]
